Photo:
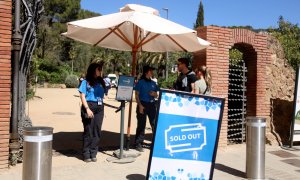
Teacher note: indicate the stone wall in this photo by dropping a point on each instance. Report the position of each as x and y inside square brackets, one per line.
[5, 79]
[280, 93]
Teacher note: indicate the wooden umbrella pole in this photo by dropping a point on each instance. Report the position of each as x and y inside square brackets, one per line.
[133, 72]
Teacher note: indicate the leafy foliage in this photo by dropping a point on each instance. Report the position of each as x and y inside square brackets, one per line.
[51, 71]
[55, 54]
[83, 14]
[235, 54]
[288, 35]
[163, 83]
[71, 81]
[242, 27]
[62, 10]
[29, 93]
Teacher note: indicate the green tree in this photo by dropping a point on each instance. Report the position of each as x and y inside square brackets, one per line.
[62, 10]
[56, 50]
[83, 14]
[200, 16]
[288, 35]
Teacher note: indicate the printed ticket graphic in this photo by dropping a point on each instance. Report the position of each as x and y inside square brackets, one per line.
[185, 137]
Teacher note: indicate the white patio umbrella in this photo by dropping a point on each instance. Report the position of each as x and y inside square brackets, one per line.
[135, 28]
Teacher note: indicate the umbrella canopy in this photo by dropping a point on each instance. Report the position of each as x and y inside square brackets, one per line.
[135, 28]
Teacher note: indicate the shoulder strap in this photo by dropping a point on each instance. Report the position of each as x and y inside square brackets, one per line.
[205, 90]
[190, 72]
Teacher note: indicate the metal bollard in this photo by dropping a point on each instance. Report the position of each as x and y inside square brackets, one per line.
[255, 147]
[37, 156]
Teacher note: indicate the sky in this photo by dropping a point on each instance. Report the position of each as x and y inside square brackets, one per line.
[256, 13]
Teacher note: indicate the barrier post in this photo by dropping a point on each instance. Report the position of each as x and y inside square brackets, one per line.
[255, 147]
[37, 156]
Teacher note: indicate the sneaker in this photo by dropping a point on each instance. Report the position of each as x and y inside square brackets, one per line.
[87, 160]
[139, 148]
[94, 159]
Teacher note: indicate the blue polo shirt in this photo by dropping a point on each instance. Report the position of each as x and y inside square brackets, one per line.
[144, 87]
[92, 93]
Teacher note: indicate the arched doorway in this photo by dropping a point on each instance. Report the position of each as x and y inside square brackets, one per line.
[241, 91]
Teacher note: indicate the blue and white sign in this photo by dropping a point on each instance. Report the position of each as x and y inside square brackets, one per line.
[186, 136]
[125, 88]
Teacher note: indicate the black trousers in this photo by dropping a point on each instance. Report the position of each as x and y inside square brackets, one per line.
[150, 111]
[92, 130]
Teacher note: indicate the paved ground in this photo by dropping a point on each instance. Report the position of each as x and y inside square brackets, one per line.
[59, 108]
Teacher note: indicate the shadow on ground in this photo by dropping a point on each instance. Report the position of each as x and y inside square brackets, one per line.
[70, 143]
[230, 170]
[281, 116]
[135, 177]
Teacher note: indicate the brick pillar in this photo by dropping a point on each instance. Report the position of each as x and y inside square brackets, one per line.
[216, 58]
[263, 61]
[5, 79]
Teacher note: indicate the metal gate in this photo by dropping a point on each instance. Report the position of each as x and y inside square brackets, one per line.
[236, 101]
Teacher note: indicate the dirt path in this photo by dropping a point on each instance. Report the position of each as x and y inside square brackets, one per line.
[60, 109]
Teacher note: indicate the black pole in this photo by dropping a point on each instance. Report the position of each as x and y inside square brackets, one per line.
[295, 110]
[16, 46]
[122, 129]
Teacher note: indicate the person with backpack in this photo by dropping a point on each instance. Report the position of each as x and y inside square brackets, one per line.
[187, 78]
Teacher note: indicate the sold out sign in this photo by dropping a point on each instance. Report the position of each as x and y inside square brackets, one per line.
[185, 137]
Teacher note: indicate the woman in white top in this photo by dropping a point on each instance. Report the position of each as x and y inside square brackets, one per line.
[203, 84]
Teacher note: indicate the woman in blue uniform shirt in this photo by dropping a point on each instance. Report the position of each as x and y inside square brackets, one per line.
[92, 111]
[145, 94]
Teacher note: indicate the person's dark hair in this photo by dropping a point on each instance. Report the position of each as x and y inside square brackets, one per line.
[146, 69]
[185, 61]
[101, 81]
[90, 75]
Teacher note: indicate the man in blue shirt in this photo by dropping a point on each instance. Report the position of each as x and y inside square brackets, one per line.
[145, 94]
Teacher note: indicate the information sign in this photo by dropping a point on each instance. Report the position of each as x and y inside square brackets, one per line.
[125, 88]
[186, 136]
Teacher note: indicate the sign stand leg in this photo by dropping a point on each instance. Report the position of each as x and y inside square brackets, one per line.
[122, 130]
[122, 156]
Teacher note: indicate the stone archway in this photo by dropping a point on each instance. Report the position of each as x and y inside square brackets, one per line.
[257, 58]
